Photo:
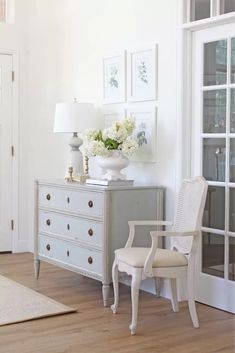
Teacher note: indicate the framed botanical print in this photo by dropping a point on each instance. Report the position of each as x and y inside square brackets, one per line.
[145, 133]
[142, 74]
[114, 78]
[112, 115]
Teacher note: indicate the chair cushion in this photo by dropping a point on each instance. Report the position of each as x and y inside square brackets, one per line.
[136, 257]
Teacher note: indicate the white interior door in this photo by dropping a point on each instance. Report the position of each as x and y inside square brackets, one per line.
[213, 149]
[5, 152]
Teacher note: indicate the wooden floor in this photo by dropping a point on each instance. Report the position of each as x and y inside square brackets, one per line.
[95, 329]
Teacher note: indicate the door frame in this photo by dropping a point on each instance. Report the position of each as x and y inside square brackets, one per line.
[184, 90]
[184, 83]
[16, 246]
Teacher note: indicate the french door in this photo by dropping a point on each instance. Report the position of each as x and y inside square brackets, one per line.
[5, 152]
[213, 156]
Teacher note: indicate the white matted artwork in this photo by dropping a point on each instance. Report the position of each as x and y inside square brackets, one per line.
[142, 73]
[145, 133]
[110, 116]
[114, 78]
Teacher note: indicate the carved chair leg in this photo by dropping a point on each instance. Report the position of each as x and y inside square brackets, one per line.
[135, 285]
[191, 301]
[115, 287]
[174, 300]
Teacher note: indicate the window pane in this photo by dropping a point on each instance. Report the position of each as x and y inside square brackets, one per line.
[2, 10]
[232, 258]
[215, 63]
[214, 159]
[233, 61]
[232, 111]
[213, 254]
[214, 111]
[200, 9]
[232, 160]
[227, 6]
[232, 210]
[214, 213]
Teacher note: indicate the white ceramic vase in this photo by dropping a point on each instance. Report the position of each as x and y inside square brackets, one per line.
[113, 165]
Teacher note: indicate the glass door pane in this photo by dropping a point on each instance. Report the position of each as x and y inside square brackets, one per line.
[214, 159]
[233, 60]
[215, 63]
[232, 209]
[213, 254]
[232, 259]
[232, 111]
[199, 9]
[232, 160]
[227, 6]
[214, 213]
[214, 111]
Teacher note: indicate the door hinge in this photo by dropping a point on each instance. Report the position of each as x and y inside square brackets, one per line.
[13, 76]
[12, 224]
[12, 151]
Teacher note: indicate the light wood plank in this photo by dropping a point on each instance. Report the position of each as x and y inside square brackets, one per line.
[95, 329]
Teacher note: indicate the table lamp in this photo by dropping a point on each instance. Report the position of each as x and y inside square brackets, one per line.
[73, 118]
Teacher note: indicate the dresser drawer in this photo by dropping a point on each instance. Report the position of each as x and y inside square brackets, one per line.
[71, 254]
[71, 227]
[76, 201]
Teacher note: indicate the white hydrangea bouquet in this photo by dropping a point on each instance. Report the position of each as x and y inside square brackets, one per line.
[117, 137]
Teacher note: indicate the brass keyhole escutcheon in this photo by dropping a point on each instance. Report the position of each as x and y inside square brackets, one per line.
[90, 203]
[90, 232]
[48, 197]
[90, 260]
[48, 247]
[48, 222]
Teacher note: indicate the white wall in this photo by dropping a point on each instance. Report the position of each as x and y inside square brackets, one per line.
[14, 38]
[65, 41]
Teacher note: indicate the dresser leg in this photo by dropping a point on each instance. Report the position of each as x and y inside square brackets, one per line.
[105, 291]
[36, 268]
[158, 283]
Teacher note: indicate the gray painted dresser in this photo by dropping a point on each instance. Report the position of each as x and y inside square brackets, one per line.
[78, 226]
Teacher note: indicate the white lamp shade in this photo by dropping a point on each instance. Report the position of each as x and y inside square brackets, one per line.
[74, 117]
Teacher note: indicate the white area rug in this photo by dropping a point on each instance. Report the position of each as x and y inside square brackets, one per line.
[18, 303]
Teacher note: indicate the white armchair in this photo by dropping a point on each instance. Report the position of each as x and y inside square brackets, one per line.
[178, 262]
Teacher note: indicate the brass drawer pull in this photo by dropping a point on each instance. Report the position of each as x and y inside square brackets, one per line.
[68, 253]
[90, 260]
[68, 199]
[90, 232]
[48, 247]
[68, 226]
[90, 203]
[48, 222]
[48, 197]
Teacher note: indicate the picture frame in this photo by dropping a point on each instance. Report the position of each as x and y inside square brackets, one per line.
[114, 77]
[113, 115]
[142, 73]
[145, 132]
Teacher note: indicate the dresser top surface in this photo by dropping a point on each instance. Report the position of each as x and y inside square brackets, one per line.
[76, 185]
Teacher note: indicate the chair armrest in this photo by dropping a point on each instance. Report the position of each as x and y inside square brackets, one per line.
[150, 223]
[148, 265]
[172, 233]
[132, 225]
